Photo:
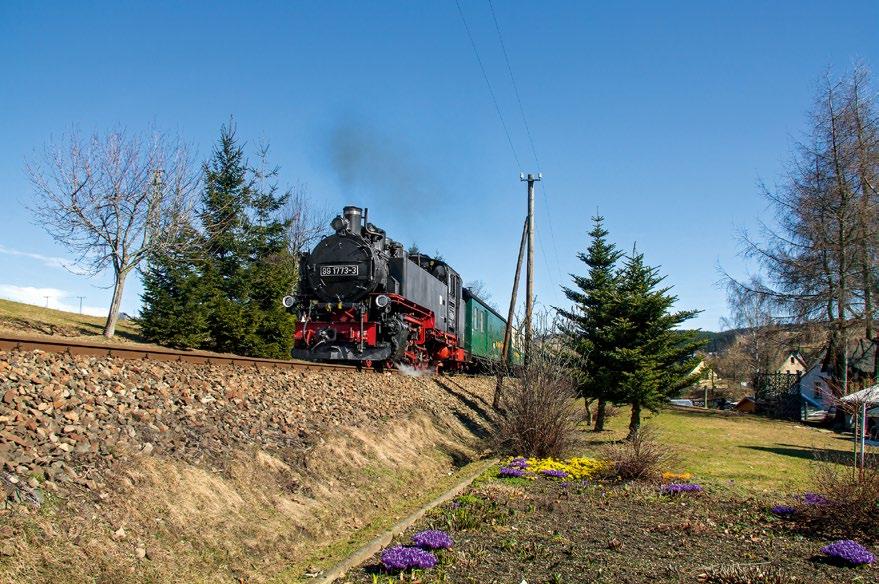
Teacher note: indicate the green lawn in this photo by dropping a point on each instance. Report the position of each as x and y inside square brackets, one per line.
[742, 453]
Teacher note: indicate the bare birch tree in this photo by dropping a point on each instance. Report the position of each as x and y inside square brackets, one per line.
[113, 199]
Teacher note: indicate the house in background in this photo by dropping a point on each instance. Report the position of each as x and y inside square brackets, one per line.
[816, 393]
[794, 363]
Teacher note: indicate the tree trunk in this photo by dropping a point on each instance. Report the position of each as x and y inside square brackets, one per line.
[588, 403]
[600, 415]
[113, 316]
[634, 421]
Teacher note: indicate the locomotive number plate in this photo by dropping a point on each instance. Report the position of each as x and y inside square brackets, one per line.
[338, 270]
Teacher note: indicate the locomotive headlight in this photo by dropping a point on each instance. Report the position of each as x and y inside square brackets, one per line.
[381, 300]
[288, 301]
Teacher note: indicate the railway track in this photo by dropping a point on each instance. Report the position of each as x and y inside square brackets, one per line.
[76, 347]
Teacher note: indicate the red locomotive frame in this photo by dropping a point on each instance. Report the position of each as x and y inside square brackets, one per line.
[427, 346]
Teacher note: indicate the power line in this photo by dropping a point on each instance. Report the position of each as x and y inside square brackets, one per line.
[515, 85]
[494, 100]
[500, 37]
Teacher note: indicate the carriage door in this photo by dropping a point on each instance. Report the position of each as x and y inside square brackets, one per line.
[454, 285]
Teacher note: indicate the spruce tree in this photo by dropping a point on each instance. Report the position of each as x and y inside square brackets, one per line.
[248, 267]
[652, 358]
[225, 295]
[174, 309]
[272, 272]
[586, 329]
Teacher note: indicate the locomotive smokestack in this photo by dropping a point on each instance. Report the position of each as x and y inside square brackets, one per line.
[354, 215]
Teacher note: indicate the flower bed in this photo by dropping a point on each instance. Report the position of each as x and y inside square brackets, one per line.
[577, 468]
[682, 477]
[783, 510]
[849, 552]
[400, 557]
[432, 539]
[814, 499]
[680, 488]
[418, 556]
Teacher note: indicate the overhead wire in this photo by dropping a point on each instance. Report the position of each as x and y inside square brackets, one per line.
[494, 100]
[531, 143]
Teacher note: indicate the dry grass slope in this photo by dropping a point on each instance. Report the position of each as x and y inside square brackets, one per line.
[26, 318]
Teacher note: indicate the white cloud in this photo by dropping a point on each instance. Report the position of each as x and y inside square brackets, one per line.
[53, 297]
[48, 261]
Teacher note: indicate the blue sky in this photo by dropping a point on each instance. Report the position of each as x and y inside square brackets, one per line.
[662, 115]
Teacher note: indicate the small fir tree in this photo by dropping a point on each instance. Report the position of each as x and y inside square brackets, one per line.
[586, 331]
[652, 359]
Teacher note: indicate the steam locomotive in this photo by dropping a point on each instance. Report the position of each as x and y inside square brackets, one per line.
[363, 299]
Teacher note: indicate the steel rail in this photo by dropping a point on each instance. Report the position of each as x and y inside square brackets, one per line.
[57, 345]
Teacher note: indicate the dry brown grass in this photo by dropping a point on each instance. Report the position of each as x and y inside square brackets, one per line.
[257, 519]
[852, 501]
[28, 319]
[642, 458]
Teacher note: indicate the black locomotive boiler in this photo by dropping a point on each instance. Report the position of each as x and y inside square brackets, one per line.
[364, 299]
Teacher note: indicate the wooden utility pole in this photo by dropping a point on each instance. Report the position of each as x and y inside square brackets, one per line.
[529, 274]
[508, 331]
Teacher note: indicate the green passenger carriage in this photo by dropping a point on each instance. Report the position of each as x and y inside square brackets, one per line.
[484, 330]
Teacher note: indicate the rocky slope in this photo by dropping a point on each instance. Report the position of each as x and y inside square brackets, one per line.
[278, 461]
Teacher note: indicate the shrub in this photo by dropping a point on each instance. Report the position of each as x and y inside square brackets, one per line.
[539, 415]
[640, 459]
[845, 502]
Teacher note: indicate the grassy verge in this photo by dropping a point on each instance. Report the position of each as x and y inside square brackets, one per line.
[744, 453]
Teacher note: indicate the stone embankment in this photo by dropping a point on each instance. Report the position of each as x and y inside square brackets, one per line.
[86, 429]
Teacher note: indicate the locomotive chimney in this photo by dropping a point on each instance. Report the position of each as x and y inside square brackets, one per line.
[354, 215]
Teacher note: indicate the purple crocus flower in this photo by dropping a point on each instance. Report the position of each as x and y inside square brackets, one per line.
[556, 474]
[678, 488]
[508, 472]
[848, 551]
[402, 558]
[814, 499]
[784, 510]
[432, 539]
[519, 462]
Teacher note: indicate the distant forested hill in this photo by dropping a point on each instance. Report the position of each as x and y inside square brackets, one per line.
[718, 341]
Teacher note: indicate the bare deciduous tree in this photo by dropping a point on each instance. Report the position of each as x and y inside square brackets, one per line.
[820, 262]
[113, 199]
[308, 223]
[757, 346]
